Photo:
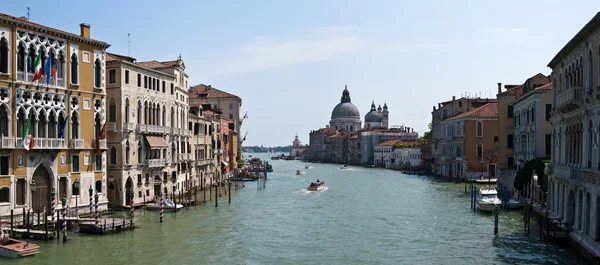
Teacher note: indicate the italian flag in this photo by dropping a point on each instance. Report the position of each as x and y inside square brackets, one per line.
[27, 139]
[38, 67]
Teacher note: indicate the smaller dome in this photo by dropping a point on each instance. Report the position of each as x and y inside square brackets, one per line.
[372, 116]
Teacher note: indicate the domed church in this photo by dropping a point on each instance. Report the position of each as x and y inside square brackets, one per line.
[377, 117]
[345, 116]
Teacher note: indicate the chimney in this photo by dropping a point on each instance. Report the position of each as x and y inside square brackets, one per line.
[85, 30]
[453, 98]
[433, 108]
[499, 88]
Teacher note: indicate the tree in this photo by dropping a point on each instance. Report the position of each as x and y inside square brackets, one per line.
[489, 155]
[427, 135]
[523, 176]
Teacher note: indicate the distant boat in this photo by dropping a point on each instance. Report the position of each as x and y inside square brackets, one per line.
[316, 186]
[306, 166]
[343, 167]
[168, 206]
[298, 172]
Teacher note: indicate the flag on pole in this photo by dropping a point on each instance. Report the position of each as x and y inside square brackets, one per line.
[27, 139]
[47, 69]
[61, 131]
[102, 135]
[37, 66]
[54, 69]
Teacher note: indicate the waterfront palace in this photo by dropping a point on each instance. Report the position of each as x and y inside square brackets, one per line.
[57, 133]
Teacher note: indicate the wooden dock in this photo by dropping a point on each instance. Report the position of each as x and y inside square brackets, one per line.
[106, 226]
[33, 234]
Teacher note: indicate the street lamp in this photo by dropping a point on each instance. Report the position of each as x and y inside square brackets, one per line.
[76, 188]
[32, 186]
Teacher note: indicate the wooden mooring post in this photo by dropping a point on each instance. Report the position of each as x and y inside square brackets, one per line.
[45, 225]
[229, 187]
[496, 220]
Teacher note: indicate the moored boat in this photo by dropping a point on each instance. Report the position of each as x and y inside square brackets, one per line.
[298, 172]
[343, 167]
[168, 206]
[12, 248]
[487, 199]
[514, 204]
[306, 167]
[316, 186]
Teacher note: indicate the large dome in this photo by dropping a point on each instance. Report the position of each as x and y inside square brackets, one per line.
[372, 116]
[345, 110]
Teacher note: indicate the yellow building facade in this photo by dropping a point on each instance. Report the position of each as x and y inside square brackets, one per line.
[65, 116]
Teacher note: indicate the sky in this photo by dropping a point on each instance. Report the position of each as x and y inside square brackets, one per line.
[289, 60]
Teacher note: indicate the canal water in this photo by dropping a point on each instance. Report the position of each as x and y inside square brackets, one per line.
[365, 216]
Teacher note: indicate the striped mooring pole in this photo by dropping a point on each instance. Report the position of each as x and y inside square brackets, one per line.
[97, 216]
[64, 220]
[91, 201]
[162, 203]
[53, 205]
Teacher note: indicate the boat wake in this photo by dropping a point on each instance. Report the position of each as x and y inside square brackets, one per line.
[306, 191]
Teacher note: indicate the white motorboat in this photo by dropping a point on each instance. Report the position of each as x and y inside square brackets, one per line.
[298, 172]
[487, 199]
[168, 206]
[514, 204]
[306, 166]
[343, 167]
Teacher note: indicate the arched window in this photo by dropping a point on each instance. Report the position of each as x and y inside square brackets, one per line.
[140, 156]
[164, 116]
[75, 190]
[127, 151]
[139, 112]
[172, 118]
[31, 58]
[99, 186]
[113, 155]
[112, 110]
[590, 143]
[479, 151]
[590, 71]
[97, 125]
[21, 57]
[97, 74]
[127, 110]
[21, 120]
[42, 122]
[75, 125]
[4, 194]
[52, 125]
[74, 69]
[3, 55]
[60, 71]
[479, 129]
[4, 120]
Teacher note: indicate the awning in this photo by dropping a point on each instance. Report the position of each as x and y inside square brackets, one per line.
[157, 142]
[224, 163]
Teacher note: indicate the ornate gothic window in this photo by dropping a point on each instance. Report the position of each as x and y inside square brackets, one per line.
[97, 74]
[3, 55]
[97, 125]
[21, 58]
[139, 112]
[74, 69]
[60, 71]
[52, 125]
[41, 124]
[4, 120]
[479, 129]
[31, 58]
[127, 110]
[139, 153]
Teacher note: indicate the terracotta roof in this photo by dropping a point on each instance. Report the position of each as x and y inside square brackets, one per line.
[388, 143]
[540, 89]
[513, 91]
[544, 87]
[152, 64]
[487, 110]
[118, 57]
[23, 22]
[207, 92]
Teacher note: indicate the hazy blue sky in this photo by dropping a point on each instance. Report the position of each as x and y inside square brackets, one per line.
[289, 60]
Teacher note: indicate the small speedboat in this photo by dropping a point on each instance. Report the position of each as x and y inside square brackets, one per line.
[298, 172]
[343, 167]
[487, 199]
[12, 248]
[306, 167]
[316, 186]
[168, 206]
[514, 204]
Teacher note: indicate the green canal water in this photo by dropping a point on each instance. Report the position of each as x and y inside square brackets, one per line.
[366, 216]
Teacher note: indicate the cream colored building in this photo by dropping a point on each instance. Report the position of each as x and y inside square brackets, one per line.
[148, 133]
[532, 129]
[66, 114]
[203, 163]
[229, 103]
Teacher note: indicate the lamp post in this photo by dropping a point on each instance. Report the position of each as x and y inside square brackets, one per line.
[76, 188]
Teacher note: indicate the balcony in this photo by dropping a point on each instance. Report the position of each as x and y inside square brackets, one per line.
[128, 127]
[218, 151]
[174, 130]
[154, 129]
[573, 174]
[183, 157]
[155, 162]
[112, 127]
[46, 143]
[103, 144]
[77, 143]
[200, 139]
[203, 162]
[570, 100]
[23, 77]
[7, 142]
[591, 176]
